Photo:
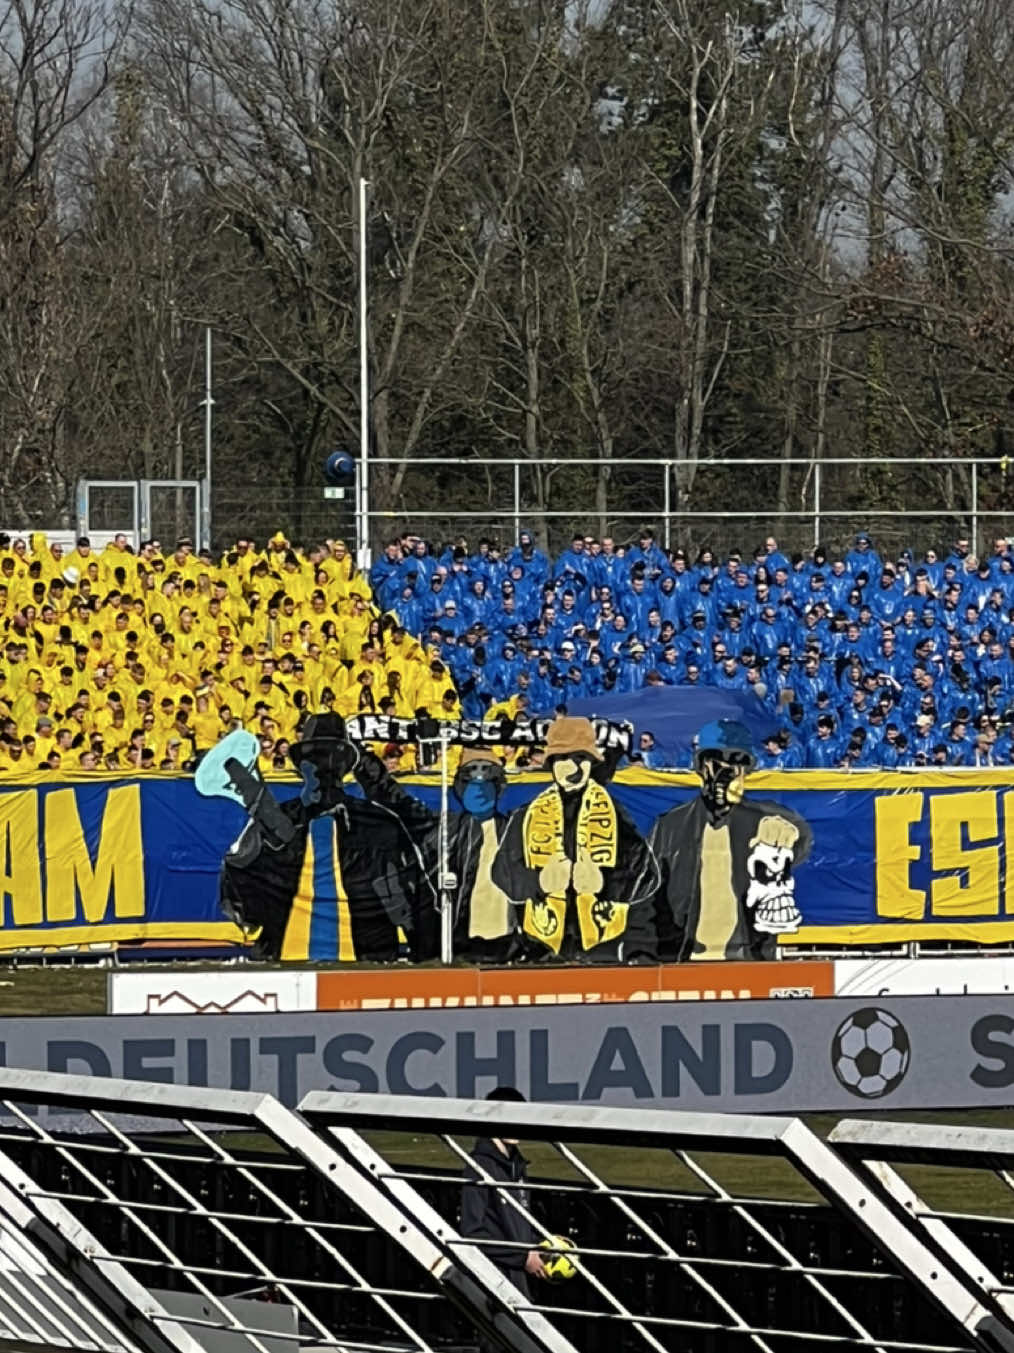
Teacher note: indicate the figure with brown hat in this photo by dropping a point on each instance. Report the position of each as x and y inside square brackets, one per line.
[575, 861]
[485, 924]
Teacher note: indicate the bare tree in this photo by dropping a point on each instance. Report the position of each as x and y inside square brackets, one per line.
[702, 112]
[284, 107]
[55, 62]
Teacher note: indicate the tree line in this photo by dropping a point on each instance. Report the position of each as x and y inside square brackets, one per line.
[600, 229]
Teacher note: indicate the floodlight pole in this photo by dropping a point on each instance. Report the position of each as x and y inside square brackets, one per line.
[209, 404]
[363, 473]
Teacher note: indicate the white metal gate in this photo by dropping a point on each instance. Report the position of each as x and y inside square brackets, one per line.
[165, 510]
[106, 507]
[171, 510]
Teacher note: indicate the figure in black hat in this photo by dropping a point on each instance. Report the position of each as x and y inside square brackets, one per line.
[323, 875]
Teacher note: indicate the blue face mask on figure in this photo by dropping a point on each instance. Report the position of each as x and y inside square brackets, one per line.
[478, 798]
[477, 787]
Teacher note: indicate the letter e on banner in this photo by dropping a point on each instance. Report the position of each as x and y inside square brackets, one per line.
[895, 816]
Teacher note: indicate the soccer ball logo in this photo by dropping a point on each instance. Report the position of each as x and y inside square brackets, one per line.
[870, 1053]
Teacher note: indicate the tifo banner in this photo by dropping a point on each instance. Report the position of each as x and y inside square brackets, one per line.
[502, 732]
[103, 861]
[730, 1056]
[637, 867]
[249, 992]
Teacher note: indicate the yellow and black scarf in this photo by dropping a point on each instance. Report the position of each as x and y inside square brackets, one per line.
[599, 918]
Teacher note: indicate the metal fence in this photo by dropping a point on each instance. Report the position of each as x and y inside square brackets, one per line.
[246, 1227]
[916, 502]
[173, 1236]
[703, 1233]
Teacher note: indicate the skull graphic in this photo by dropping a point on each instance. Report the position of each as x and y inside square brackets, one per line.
[771, 893]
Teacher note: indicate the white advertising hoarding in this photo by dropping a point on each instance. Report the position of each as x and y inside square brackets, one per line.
[962, 975]
[223, 992]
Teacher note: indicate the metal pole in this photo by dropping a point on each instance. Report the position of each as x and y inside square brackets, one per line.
[816, 504]
[209, 404]
[363, 479]
[666, 506]
[447, 881]
[517, 501]
[975, 508]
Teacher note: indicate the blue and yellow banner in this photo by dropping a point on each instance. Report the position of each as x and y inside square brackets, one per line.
[894, 857]
[96, 861]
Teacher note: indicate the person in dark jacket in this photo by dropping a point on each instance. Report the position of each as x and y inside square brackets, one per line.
[575, 863]
[489, 1215]
[485, 922]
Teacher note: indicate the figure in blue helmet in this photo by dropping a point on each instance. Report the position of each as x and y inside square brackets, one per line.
[727, 862]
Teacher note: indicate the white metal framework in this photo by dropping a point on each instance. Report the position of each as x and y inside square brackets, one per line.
[246, 1227]
[109, 506]
[775, 1292]
[144, 509]
[817, 504]
[194, 1213]
[905, 1160]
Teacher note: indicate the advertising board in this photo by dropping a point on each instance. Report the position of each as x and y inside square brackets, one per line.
[957, 975]
[222, 991]
[251, 991]
[772, 1056]
[890, 859]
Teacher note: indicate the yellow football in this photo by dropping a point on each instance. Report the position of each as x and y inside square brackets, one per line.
[558, 1265]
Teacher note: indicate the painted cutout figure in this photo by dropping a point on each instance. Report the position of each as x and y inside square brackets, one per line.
[576, 863]
[485, 924]
[324, 875]
[727, 862]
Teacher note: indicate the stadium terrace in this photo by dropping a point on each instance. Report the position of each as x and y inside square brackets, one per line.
[125, 661]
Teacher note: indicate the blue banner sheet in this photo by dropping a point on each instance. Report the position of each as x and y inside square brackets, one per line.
[894, 857]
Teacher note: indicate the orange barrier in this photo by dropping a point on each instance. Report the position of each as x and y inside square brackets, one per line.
[428, 988]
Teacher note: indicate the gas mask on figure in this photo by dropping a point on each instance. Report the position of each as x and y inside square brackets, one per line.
[570, 773]
[723, 777]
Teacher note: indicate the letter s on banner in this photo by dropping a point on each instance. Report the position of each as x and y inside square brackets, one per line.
[987, 1041]
[337, 1063]
[964, 832]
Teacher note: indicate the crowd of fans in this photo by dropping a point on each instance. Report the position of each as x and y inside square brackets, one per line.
[118, 660]
[858, 661]
[124, 661]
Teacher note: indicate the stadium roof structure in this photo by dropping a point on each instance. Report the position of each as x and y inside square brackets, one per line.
[241, 1225]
